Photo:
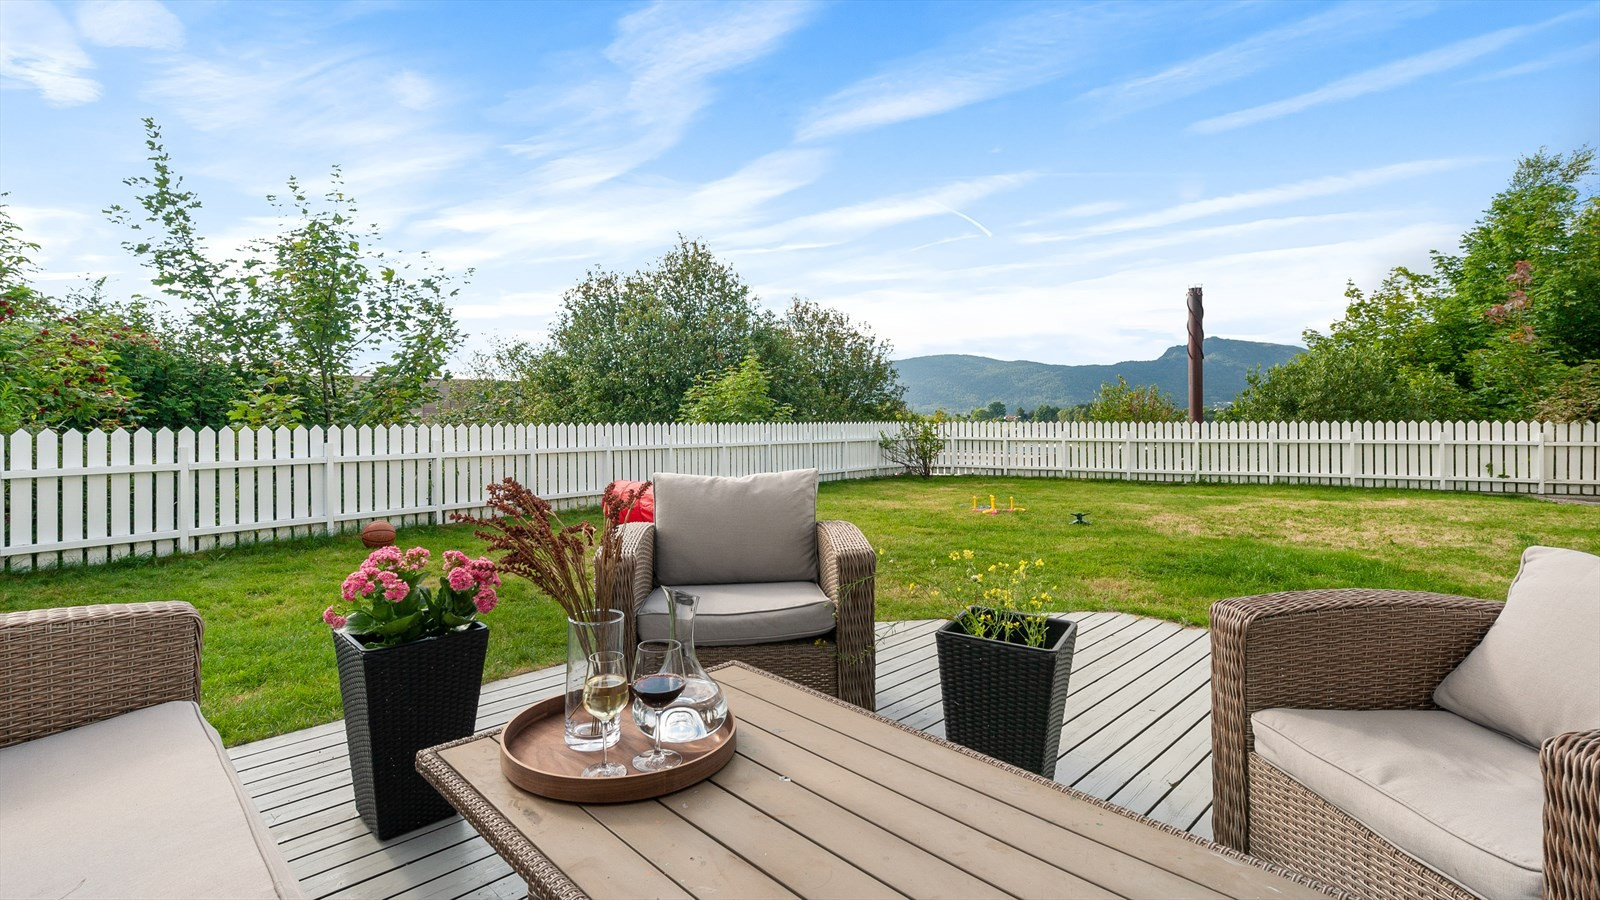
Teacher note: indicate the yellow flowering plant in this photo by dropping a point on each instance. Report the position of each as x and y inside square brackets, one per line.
[1002, 601]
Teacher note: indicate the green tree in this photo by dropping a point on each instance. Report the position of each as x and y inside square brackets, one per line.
[916, 445]
[627, 348]
[56, 370]
[740, 393]
[826, 367]
[995, 411]
[1045, 412]
[1122, 402]
[357, 339]
[1344, 383]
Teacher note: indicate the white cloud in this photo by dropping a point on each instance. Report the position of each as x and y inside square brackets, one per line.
[1582, 53]
[39, 48]
[413, 91]
[1382, 78]
[1343, 23]
[1326, 186]
[129, 23]
[1009, 56]
[845, 222]
[663, 62]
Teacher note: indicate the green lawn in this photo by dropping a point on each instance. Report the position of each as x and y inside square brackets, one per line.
[1161, 550]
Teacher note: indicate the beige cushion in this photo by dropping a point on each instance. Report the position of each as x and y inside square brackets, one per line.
[141, 805]
[713, 530]
[744, 613]
[1462, 799]
[1536, 674]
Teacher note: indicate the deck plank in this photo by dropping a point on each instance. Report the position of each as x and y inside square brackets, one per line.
[1137, 733]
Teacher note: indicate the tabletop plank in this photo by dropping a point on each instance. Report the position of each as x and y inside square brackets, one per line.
[796, 861]
[1117, 831]
[1030, 856]
[695, 860]
[601, 864]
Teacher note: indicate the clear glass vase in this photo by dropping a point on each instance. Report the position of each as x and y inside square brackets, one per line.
[593, 631]
[701, 708]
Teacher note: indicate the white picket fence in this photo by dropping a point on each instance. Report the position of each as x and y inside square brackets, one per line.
[72, 497]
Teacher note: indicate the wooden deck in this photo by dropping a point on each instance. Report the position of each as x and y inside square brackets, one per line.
[1137, 732]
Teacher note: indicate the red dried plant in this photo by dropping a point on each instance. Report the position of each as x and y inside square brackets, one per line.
[528, 538]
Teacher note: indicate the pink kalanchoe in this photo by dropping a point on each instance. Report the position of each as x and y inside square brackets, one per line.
[385, 559]
[333, 619]
[486, 600]
[483, 570]
[357, 584]
[461, 579]
[454, 559]
[395, 588]
[416, 559]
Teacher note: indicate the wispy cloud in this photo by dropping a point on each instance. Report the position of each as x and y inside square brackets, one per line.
[1326, 186]
[663, 61]
[846, 222]
[1382, 78]
[1582, 53]
[129, 23]
[1343, 23]
[998, 59]
[39, 49]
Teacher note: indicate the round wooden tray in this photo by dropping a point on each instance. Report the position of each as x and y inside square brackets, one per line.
[534, 756]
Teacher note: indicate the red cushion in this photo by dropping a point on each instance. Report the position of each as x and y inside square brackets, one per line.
[643, 508]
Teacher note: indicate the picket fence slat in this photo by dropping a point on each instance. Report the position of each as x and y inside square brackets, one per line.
[72, 497]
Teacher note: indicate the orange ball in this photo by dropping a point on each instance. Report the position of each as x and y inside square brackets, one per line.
[378, 534]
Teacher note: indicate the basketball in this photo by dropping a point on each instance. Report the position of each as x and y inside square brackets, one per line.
[378, 534]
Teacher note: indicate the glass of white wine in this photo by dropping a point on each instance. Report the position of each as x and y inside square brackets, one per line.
[605, 693]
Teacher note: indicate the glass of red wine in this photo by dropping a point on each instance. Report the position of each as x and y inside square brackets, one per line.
[658, 679]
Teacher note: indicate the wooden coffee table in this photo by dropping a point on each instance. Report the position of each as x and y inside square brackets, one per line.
[826, 800]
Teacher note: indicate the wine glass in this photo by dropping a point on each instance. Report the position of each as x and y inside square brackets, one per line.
[605, 693]
[658, 679]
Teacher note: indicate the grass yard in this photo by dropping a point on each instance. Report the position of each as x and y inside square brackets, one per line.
[1153, 549]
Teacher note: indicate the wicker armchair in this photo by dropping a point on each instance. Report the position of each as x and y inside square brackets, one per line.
[839, 663]
[1365, 650]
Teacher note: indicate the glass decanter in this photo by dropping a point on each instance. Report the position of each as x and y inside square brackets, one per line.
[701, 708]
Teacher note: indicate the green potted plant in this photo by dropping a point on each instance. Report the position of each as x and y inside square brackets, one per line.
[410, 671]
[1004, 664]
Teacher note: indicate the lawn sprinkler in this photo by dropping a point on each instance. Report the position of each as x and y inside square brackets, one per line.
[994, 508]
[1078, 519]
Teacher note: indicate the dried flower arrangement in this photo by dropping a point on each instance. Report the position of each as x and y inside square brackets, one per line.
[530, 539]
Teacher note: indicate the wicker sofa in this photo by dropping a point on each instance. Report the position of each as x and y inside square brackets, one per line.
[747, 545]
[111, 782]
[1344, 689]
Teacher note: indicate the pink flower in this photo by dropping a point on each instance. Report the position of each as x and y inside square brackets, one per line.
[461, 579]
[395, 588]
[333, 619]
[486, 600]
[357, 584]
[416, 559]
[483, 570]
[385, 559]
[453, 559]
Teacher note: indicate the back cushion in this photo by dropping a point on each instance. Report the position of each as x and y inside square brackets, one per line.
[1536, 674]
[713, 530]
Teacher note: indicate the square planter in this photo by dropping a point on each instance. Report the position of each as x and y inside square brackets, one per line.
[398, 700]
[1006, 700]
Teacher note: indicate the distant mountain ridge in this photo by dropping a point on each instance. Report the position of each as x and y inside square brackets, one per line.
[959, 384]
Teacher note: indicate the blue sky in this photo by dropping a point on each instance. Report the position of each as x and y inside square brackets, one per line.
[1033, 181]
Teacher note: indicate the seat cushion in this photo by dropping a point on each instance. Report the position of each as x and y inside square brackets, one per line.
[744, 613]
[712, 530]
[1534, 674]
[1461, 799]
[141, 805]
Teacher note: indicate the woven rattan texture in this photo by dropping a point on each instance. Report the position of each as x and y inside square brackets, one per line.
[546, 881]
[1004, 699]
[840, 663]
[66, 667]
[1328, 649]
[397, 701]
[1571, 767]
[1294, 827]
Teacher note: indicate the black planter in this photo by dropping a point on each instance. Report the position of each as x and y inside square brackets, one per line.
[1006, 700]
[398, 700]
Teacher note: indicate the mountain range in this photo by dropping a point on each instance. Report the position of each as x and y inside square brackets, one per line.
[958, 383]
